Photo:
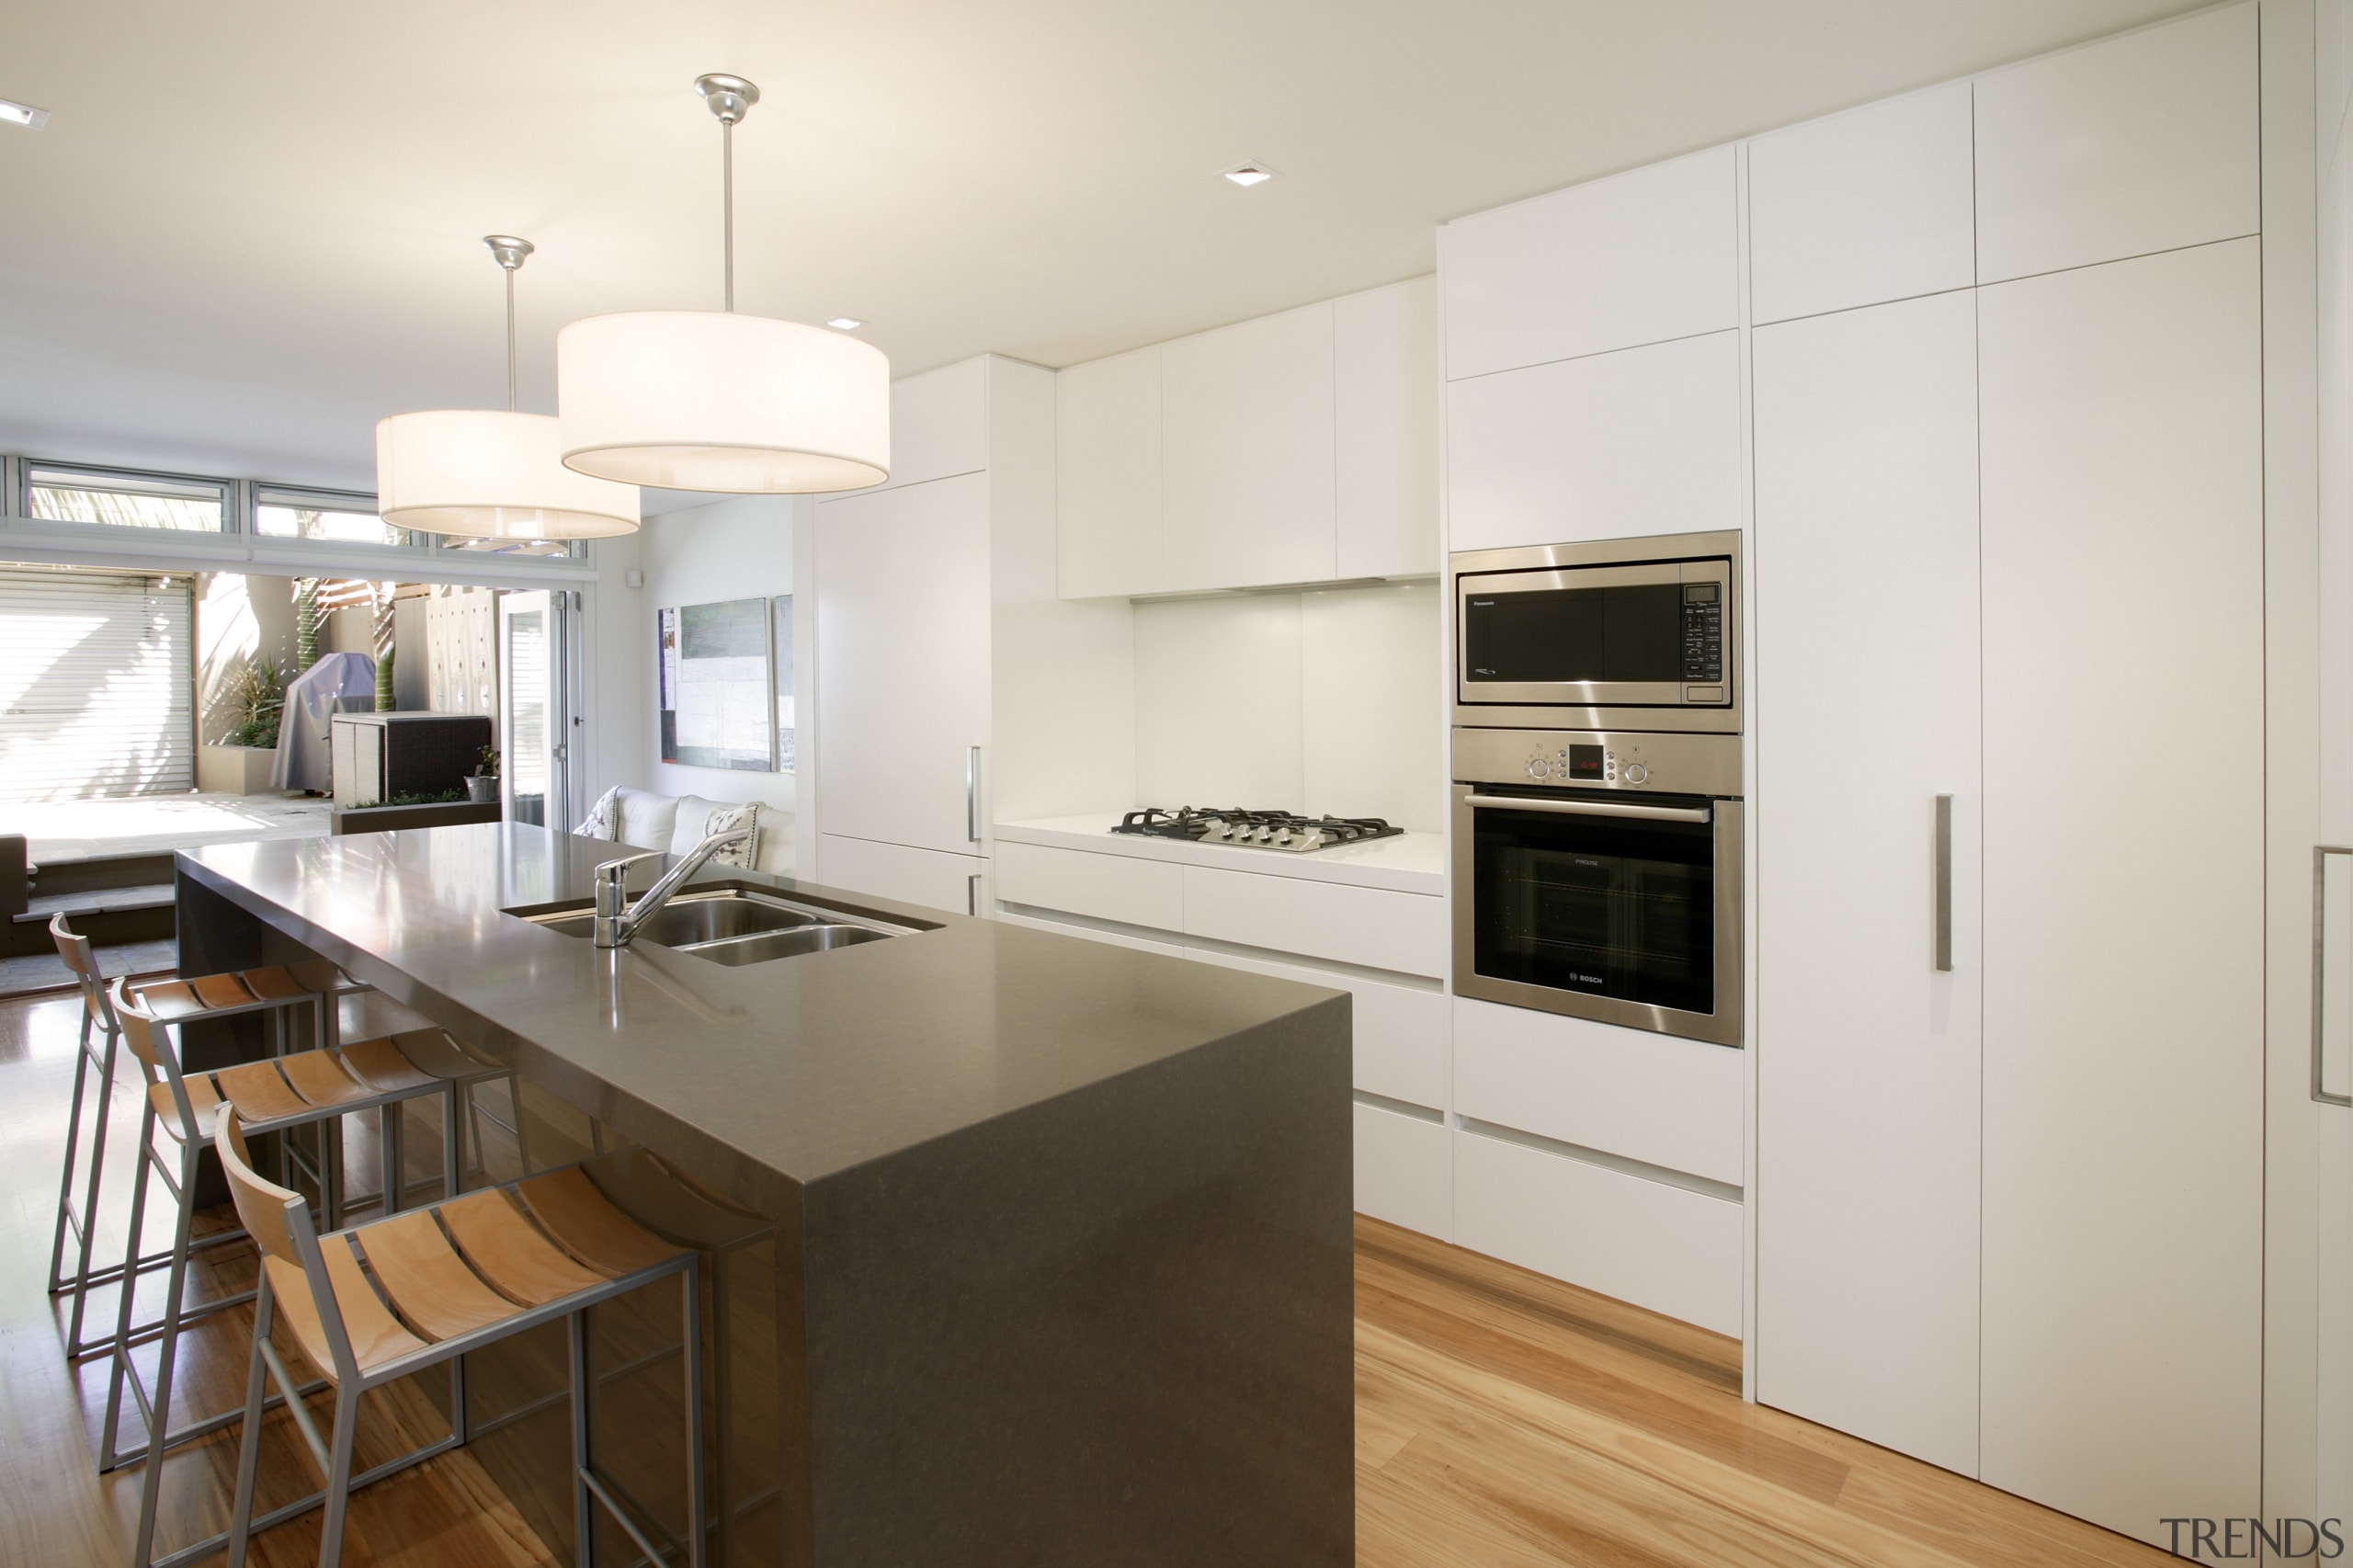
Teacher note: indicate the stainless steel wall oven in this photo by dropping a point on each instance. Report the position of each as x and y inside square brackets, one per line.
[1597, 819]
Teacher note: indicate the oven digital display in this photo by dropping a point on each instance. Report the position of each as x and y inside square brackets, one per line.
[1585, 761]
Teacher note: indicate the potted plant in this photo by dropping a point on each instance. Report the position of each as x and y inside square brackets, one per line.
[239, 763]
[482, 785]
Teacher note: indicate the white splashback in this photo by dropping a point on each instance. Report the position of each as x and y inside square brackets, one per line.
[1319, 701]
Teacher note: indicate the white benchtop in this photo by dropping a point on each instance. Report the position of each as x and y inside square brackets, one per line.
[1410, 862]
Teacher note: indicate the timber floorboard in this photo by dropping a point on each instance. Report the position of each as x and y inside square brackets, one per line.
[1503, 1418]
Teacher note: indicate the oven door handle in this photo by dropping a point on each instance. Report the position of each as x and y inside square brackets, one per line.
[1594, 808]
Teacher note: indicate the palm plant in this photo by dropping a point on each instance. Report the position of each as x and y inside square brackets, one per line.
[257, 695]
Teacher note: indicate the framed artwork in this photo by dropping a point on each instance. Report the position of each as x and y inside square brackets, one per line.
[715, 686]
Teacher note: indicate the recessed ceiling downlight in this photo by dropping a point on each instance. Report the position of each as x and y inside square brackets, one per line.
[845, 323]
[14, 113]
[1249, 174]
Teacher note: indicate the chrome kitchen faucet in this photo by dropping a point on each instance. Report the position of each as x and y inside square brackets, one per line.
[616, 921]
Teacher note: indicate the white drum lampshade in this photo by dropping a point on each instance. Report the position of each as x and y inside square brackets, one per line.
[485, 473]
[709, 400]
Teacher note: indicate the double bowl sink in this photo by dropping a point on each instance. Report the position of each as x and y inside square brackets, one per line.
[736, 927]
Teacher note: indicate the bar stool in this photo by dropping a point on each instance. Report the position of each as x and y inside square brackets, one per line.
[501, 1277]
[272, 990]
[307, 1088]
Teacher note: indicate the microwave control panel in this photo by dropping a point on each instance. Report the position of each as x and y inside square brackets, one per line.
[1703, 635]
[1601, 763]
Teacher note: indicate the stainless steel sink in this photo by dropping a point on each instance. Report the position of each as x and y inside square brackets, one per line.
[769, 945]
[734, 926]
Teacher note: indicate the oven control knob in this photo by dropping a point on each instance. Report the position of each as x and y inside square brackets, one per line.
[1538, 768]
[1636, 773]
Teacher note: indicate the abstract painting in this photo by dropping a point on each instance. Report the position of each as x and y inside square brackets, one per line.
[716, 684]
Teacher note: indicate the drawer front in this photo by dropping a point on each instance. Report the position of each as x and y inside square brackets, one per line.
[1404, 1171]
[899, 871]
[1653, 1098]
[1105, 887]
[1116, 938]
[1373, 927]
[1662, 1247]
[1400, 1032]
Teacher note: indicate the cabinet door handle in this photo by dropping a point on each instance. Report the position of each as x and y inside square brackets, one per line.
[1944, 885]
[972, 794]
[2320, 853]
[972, 896]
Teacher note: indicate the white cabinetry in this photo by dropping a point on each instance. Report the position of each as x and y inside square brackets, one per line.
[1864, 207]
[902, 673]
[2134, 145]
[1297, 447]
[937, 630]
[2122, 409]
[1384, 422]
[1641, 441]
[1107, 456]
[1639, 257]
[1247, 491]
[1867, 710]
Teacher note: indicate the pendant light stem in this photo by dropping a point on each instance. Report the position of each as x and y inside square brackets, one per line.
[509, 252]
[727, 182]
[510, 341]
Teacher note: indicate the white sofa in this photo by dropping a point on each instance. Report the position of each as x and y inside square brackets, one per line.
[675, 823]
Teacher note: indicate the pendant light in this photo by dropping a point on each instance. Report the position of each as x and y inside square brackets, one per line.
[478, 473]
[710, 400]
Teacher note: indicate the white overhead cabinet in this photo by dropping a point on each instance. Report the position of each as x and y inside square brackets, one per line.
[1247, 491]
[1863, 208]
[1106, 464]
[1636, 441]
[2009, 551]
[1867, 717]
[1295, 449]
[1593, 377]
[1639, 257]
[2131, 145]
[1384, 428]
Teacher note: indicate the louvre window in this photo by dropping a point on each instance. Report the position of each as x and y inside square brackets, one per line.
[66, 495]
[324, 515]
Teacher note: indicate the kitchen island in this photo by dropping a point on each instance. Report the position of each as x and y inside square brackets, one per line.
[1053, 1262]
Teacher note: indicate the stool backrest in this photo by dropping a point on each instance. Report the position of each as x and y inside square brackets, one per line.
[279, 1222]
[151, 1044]
[79, 957]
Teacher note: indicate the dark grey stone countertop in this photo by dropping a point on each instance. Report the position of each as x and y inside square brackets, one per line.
[794, 1069]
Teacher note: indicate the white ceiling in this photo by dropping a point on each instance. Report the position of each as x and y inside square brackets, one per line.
[250, 230]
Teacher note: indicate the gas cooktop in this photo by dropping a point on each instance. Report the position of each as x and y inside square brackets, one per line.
[1256, 830]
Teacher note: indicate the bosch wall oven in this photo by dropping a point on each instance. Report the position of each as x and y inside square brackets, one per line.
[1597, 819]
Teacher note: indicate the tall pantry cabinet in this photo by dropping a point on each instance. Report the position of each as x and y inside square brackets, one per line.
[2007, 401]
[952, 683]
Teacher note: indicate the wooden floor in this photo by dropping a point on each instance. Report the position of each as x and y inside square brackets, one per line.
[1503, 1419]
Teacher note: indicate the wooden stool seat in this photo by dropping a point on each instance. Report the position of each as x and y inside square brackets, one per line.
[380, 1064]
[574, 1212]
[509, 1252]
[501, 1277]
[203, 1099]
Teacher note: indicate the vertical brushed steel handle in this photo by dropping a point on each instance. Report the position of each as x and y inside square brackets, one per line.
[972, 794]
[1944, 884]
[972, 896]
[2321, 852]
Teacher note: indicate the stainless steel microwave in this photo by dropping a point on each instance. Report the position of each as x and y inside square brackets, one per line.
[1617, 634]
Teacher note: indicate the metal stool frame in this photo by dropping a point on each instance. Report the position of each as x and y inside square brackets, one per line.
[77, 1220]
[191, 1131]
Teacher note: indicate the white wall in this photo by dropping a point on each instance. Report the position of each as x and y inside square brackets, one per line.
[735, 548]
[1316, 701]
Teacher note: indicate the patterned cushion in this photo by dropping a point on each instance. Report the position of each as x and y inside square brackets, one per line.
[604, 818]
[741, 854]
